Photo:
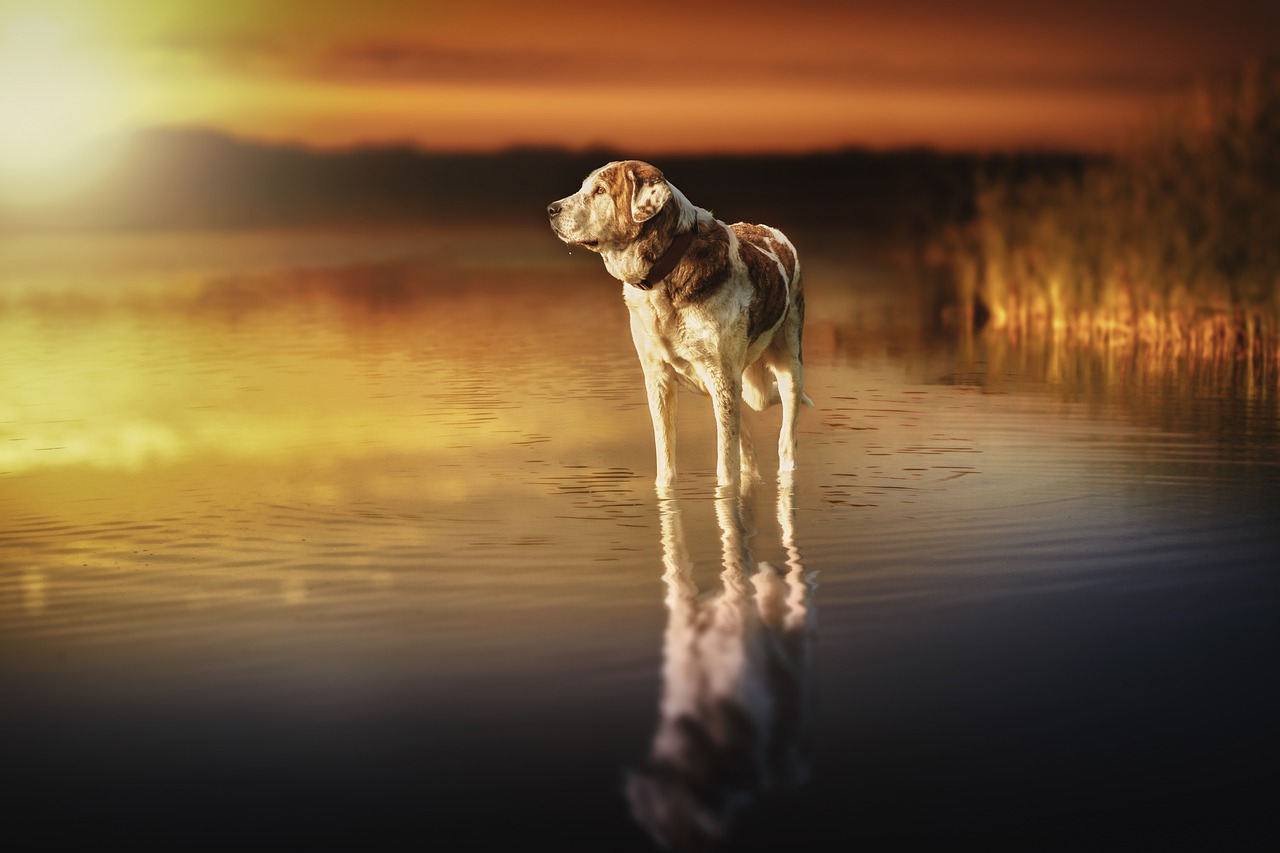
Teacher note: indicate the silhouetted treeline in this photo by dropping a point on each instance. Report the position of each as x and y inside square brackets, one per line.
[191, 179]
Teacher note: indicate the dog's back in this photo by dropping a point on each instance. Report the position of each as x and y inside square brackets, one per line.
[776, 309]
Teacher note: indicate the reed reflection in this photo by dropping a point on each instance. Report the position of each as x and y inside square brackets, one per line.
[735, 717]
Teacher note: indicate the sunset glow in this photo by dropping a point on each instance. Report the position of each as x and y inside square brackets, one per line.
[668, 78]
[56, 109]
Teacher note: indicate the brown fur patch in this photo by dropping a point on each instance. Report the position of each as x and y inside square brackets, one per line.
[756, 234]
[769, 301]
[765, 238]
[786, 255]
[641, 176]
[615, 178]
[656, 234]
[705, 267]
[621, 189]
[644, 172]
[618, 188]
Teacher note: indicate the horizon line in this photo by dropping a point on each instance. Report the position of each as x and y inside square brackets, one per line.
[602, 147]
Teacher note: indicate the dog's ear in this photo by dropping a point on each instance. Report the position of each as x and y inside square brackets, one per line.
[649, 191]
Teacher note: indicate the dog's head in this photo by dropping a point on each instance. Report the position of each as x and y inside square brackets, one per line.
[612, 205]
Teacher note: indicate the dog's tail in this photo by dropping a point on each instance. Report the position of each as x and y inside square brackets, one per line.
[759, 388]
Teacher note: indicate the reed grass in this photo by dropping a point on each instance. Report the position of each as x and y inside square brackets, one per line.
[1173, 245]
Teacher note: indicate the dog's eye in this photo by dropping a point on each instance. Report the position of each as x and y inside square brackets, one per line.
[598, 190]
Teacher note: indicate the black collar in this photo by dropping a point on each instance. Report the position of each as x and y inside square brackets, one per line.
[664, 265]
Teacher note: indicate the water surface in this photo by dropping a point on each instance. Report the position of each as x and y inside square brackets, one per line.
[348, 539]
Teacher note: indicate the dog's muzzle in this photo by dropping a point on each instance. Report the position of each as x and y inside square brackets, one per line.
[553, 211]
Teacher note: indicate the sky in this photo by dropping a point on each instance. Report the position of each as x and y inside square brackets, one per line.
[654, 76]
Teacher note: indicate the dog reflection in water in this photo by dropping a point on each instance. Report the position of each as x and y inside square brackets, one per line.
[735, 714]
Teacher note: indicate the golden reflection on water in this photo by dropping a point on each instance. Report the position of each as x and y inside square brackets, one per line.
[1124, 366]
[268, 365]
[195, 432]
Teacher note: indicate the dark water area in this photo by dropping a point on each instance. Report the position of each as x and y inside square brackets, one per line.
[347, 539]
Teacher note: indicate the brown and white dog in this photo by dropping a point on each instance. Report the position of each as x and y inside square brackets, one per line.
[717, 308]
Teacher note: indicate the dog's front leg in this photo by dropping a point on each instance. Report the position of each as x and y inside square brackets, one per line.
[725, 387]
[660, 385]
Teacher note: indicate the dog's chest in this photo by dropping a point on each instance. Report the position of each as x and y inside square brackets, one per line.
[681, 337]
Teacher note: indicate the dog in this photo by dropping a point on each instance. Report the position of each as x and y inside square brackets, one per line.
[716, 308]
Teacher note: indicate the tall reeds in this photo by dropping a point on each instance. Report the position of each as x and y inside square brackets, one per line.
[1172, 245]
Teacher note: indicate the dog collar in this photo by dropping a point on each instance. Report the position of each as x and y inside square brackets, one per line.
[665, 264]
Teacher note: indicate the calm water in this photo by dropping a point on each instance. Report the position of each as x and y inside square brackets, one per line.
[349, 540]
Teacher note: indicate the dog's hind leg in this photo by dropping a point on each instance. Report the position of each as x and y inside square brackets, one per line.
[785, 362]
[789, 389]
[784, 358]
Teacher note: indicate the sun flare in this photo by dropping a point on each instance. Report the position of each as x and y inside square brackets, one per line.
[56, 109]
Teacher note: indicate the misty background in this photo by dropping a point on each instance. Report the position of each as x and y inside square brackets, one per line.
[192, 178]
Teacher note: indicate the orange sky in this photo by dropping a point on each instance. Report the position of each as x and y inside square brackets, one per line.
[651, 77]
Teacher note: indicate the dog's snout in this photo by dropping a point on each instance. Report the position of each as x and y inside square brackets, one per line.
[553, 209]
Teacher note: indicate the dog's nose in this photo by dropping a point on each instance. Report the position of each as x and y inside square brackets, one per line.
[553, 209]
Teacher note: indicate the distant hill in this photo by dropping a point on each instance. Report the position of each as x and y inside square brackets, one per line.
[177, 178]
